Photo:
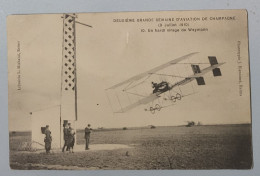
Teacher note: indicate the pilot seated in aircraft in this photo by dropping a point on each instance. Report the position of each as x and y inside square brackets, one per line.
[160, 87]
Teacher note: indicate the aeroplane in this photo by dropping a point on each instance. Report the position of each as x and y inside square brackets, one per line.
[163, 90]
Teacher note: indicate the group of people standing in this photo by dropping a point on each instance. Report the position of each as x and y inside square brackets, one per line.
[69, 138]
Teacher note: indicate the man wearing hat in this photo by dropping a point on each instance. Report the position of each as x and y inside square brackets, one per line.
[87, 136]
[47, 139]
[71, 138]
[65, 136]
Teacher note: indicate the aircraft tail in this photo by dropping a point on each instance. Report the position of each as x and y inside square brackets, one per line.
[196, 70]
[213, 61]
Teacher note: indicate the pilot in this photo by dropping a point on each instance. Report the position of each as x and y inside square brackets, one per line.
[155, 86]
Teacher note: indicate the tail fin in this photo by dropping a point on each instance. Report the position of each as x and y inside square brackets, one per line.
[196, 69]
[213, 61]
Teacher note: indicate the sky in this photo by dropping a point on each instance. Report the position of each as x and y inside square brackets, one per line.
[111, 52]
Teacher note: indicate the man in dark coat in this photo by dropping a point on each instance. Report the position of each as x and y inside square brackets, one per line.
[47, 139]
[71, 138]
[87, 136]
[65, 136]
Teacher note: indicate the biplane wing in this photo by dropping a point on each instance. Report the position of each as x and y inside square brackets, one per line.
[147, 73]
[153, 97]
[183, 80]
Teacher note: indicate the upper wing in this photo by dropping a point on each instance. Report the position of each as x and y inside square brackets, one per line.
[145, 100]
[139, 76]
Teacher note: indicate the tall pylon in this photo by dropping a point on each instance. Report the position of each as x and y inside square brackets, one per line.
[68, 108]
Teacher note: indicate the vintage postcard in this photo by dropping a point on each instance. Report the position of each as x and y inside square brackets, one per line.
[129, 90]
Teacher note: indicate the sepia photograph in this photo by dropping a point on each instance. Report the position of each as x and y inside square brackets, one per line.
[162, 90]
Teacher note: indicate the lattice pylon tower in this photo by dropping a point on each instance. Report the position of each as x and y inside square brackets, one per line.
[69, 74]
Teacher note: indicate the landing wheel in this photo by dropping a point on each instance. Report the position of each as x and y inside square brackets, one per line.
[152, 110]
[173, 98]
[178, 96]
[158, 107]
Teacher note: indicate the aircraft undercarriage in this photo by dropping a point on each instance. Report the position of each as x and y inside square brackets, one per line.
[158, 107]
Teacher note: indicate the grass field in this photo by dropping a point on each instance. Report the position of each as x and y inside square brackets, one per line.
[197, 147]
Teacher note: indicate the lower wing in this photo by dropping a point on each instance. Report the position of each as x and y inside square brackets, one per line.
[145, 100]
